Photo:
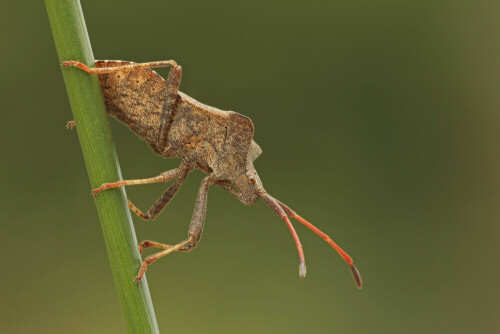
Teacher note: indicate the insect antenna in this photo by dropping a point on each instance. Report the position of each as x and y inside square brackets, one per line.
[342, 253]
[276, 206]
[286, 212]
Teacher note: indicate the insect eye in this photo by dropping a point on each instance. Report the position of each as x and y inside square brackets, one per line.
[252, 181]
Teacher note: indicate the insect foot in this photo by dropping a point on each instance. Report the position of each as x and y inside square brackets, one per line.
[76, 64]
[105, 186]
[70, 125]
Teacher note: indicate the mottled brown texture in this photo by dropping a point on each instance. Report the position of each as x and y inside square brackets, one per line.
[177, 126]
[137, 98]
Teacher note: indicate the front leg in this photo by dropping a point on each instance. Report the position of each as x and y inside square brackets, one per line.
[194, 234]
[163, 177]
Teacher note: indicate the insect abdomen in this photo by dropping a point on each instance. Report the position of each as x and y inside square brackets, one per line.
[137, 98]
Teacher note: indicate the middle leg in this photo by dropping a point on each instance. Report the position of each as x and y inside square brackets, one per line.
[161, 202]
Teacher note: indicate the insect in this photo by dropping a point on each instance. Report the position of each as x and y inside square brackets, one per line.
[218, 142]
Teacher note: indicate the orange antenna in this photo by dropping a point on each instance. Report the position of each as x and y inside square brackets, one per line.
[342, 253]
[275, 205]
[284, 212]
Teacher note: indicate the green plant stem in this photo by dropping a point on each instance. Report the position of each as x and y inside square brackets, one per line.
[72, 43]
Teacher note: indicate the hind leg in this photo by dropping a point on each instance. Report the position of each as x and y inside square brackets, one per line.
[194, 234]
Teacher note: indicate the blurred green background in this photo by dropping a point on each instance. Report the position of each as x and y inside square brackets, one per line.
[379, 122]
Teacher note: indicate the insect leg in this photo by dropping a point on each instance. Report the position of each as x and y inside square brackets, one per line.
[152, 244]
[160, 204]
[199, 213]
[156, 244]
[163, 177]
[70, 125]
[195, 230]
[101, 70]
[172, 84]
[152, 258]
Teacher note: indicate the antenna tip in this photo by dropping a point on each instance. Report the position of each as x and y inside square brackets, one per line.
[357, 276]
[302, 270]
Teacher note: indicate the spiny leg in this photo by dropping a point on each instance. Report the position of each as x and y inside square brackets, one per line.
[195, 230]
[161, 202]
[163, 177]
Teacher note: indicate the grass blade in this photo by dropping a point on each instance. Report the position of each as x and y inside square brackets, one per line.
[72, 43]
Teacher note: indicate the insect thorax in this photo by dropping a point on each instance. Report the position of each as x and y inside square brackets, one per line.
[195, 136]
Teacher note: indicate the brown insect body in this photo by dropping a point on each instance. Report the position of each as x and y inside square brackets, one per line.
[177, 126]
[214, 140]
